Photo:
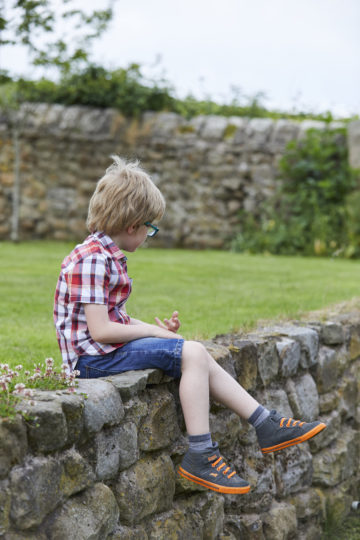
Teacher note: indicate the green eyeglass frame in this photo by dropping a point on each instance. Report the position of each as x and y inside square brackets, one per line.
[154, 230]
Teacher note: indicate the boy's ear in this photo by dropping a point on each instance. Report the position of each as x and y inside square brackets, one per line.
[132, 228]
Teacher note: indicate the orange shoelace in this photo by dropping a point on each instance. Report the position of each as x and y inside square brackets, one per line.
[290, 422]
[219, 461]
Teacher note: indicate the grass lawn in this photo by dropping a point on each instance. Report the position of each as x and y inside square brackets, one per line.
[215, 292]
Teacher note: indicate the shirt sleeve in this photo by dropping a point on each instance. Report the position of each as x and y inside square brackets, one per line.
[88, 280]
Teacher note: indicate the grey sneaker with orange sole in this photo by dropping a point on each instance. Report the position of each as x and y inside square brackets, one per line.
[208, 469]
[278, 432]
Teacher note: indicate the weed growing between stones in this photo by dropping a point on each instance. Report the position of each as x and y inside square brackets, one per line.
[17, 386]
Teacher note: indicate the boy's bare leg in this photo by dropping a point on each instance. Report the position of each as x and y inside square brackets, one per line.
[194, 388]
[202, 376]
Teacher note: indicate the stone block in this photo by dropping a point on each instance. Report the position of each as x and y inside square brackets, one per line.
[244, 354]
[17, 535]
[159, 428]
[145, 488]
[353, 133]
[129, 383]
[73, 408]
[303, 398]
[258, 133]
[307, 338]
[332, 333]
[251, 527]
[338, 462]
[327, 370]
[354, 345]
[128, 533]
[280, 522]
[221, 355]
[214, 127]
[268, 361]
[328, 402]
[92, 514]
[325, 437]
[103, 406]
[278, 400]
[212, 513]
[34, 491]
[349, 396]
[289, 353]
[225, 428]
[42, 483]
[13, 443]
[284, 132]
[258, 470]
[113, 450]
[109, 444]
[174, 524]
[293, 470]
[129, 453]
[5, 501]
[308, 504]
[47, 429]
[135, 410]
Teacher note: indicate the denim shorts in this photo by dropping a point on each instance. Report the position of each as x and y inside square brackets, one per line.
[144, 353]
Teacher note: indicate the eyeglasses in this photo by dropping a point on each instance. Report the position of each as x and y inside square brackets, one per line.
[152, 229]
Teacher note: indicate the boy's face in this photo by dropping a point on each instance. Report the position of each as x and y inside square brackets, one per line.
[132, 238]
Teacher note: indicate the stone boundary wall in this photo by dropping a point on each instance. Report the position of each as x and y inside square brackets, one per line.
[104, 467]
[209, 168]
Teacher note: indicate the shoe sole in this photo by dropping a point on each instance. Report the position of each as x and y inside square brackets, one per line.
[297, 440]
[210, 485]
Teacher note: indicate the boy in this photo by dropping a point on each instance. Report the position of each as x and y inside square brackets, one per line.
[98, 338]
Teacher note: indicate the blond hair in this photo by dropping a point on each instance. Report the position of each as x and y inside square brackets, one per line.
[124, 196]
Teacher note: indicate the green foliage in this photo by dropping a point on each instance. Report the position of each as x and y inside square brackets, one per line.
[124, 89]
[129, 91]
[309, 213]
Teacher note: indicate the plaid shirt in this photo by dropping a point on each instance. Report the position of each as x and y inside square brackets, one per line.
[95, 272]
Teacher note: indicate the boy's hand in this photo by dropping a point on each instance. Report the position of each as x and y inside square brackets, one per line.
[172, 325]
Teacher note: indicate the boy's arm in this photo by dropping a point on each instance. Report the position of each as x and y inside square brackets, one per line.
[173, 324]
[103, 330]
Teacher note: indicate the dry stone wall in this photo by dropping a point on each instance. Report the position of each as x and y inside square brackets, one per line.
[208, 168]
[101, 464]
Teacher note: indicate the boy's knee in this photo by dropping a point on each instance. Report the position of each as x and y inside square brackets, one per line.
[195, 354]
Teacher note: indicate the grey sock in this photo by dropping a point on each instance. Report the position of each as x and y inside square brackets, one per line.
[258, 416]
[199, 443]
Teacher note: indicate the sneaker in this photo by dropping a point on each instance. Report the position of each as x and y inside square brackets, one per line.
[208, 469]
[277, 432]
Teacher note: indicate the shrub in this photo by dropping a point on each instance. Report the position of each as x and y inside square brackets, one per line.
[309, 212]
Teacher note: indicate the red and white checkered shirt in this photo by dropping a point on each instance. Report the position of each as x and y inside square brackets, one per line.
[95, 272]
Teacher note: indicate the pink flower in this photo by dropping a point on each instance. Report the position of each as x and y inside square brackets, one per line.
[49, 362]
[19, 388]
[19, 367]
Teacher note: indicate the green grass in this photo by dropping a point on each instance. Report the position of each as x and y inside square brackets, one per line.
[214, 292]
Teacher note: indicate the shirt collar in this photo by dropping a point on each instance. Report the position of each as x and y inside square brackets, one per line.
[109, 245]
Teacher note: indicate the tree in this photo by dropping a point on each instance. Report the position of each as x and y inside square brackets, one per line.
[53, 34]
